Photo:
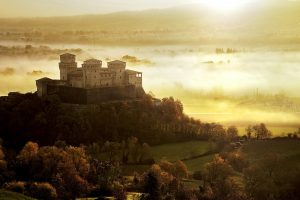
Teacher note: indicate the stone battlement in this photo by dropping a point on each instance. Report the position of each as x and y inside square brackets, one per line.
[92, 83]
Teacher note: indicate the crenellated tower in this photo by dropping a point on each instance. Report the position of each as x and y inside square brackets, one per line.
[91, 73]
[67, 64]
[118, 67]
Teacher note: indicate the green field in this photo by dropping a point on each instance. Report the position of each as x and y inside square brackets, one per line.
[7, 195]
[198, 163]
[174, 152]
[289, 150]
[178, 151]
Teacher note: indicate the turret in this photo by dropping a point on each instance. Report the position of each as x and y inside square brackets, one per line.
[118, 67]
[66, 65]
[91, 72]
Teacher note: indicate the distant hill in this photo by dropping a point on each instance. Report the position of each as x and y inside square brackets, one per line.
[280, 21]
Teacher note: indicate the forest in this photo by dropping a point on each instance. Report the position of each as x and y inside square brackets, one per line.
[52, 150]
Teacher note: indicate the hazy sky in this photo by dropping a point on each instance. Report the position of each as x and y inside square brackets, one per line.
[31, 8]
[34, 8]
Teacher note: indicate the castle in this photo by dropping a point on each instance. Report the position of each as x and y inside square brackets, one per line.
[92, 83]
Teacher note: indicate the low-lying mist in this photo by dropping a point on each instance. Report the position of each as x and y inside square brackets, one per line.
[249, 86]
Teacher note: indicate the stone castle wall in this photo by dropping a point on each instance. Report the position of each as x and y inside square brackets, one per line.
[68, 94]
[73, 95]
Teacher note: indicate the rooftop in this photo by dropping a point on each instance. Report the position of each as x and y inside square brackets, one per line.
[67, 55]
[92, 61]
[116, 62]
[129, 71]
[44, 79]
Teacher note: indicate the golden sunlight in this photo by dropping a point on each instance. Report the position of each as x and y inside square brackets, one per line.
[226, 5]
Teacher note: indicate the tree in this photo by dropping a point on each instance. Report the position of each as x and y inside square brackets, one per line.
[28, 153]
[66, 168]
[271, 178]
[113, 149]
[218, 177]
[232, 133]
[3, 167]
[167, 166]
[249, 131]
[26, 161]
[44, 191]
[153, 184]
[237, 160]
[217, 170]
[261, 131]
[146, 157]
[181, 170]
[104, 173]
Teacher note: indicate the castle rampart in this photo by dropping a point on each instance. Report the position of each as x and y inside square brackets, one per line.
[92, 83]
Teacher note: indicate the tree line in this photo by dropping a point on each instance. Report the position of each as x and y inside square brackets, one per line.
[26, 117]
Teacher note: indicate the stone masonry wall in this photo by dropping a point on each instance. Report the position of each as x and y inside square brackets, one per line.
[73, 95]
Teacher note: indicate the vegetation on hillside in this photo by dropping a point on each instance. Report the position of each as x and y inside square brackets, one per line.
[29, 118]
[8, 195]
[51, 150]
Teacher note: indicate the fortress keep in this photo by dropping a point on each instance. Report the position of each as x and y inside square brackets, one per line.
[92, 83]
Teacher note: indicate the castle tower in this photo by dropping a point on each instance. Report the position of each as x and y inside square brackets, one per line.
[118, 67]
[91, 73]
[67, 64]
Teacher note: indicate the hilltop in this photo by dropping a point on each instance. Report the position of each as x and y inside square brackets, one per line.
[279, 22]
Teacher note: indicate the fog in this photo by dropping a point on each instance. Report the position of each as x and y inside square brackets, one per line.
[211, 86]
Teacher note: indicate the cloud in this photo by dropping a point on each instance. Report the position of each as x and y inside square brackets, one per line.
[136, 61]
[8, 71]
[37, 73]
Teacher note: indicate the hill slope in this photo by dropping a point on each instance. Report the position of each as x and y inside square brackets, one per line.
[7, 195]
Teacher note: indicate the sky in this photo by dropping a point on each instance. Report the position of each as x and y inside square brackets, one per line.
[44, 8]
[33, 8]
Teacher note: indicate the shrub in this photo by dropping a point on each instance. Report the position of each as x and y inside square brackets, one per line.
[119, 191]
[181, 169]
[198, 175]
[15, 187]
[237, 161]
[44, 191]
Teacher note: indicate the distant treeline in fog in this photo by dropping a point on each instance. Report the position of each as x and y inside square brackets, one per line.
[42, 52]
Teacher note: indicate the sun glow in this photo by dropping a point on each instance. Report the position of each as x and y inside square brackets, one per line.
[225, 5]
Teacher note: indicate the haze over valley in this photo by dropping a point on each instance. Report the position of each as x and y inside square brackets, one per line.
[150, 99]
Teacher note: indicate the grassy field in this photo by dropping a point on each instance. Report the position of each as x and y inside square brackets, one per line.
[178, 151]
[289, 150]
[198, 163]
[174, 152]
[7, 195]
